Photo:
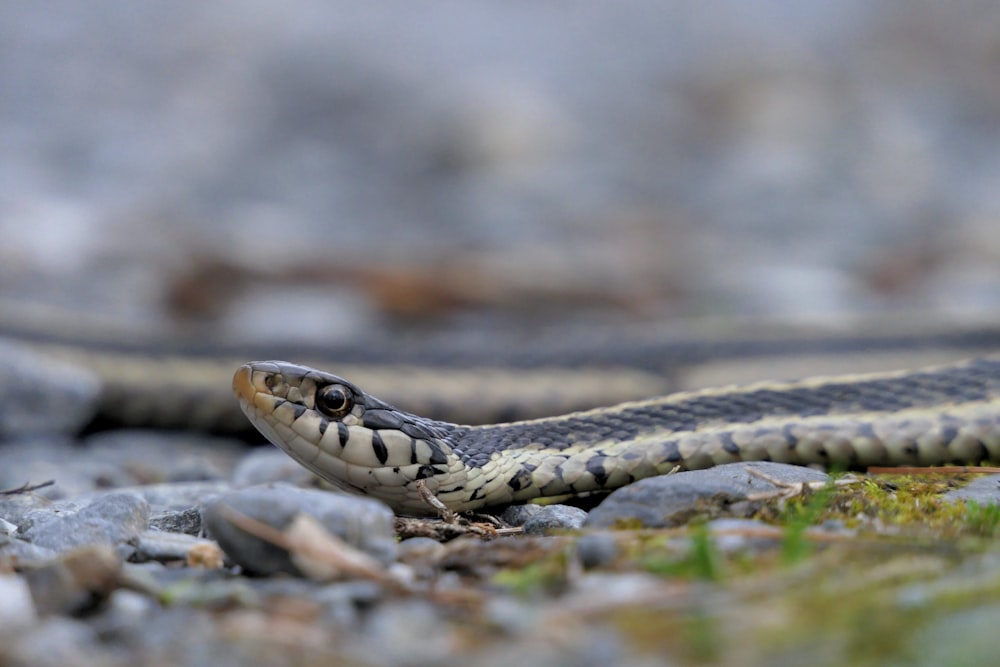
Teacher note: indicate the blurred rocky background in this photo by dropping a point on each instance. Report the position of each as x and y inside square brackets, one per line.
[327, 169]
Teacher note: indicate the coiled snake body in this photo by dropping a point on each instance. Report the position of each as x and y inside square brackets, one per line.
[947, 414]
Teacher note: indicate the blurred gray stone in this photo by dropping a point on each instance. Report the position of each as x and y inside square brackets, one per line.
[18, 609]
[361, 522]
[178, 496]
[597, 549]
[113, 518]
[555, 517]
[40, 396]
[75, 582]
[187, 521]
[517, 515]
[23, 553]
[162, 546]
[983, 490]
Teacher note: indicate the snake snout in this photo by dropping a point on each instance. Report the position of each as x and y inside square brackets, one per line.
[243, 383]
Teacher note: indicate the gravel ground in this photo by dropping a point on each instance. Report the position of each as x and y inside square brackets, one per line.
[142, 547]
[338, 174]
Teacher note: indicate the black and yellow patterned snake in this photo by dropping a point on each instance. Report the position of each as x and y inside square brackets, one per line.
[945, 414]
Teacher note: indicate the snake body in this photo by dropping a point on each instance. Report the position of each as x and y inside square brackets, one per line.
[946, 414]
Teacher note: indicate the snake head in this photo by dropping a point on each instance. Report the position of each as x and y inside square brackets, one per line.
[346, 436]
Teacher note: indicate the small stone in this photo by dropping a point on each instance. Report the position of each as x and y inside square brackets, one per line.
[14, 507]
[19, 553]
[164, 547]
[420, 549]
[555, 517]
[17, 609]
[113, 518]
[75, 582]
[596, 549]
[517, 515]
[127, 610]
[7, 528]
[177, 496]
[340, 601]
[187, 521]
[363, 523]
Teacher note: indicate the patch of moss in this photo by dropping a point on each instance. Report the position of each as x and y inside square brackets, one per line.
[897, 504]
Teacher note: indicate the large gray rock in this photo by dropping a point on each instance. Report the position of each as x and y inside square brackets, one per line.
[361, 522]
[672, 500]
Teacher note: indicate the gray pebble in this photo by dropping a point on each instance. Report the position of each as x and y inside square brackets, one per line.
[555, 517]
[18, 608]
[41, 396]
[113, 518]
[672, 500]
[516, 515]
[269, 464]
[362, 522]
[187, 521]
[342, 600]
[126, 611]
[7, 528]
[75, 582]
[420, 548]
[177, 496]
[596, 549]
[983, 490]
[160, 546]
[15, 507]
[23, 553]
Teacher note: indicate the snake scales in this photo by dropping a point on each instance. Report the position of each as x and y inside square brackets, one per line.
[945, 414]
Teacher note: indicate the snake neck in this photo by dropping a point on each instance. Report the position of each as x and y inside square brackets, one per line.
[878, 420]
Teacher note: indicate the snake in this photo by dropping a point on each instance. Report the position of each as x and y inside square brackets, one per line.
[362, 444]
[151, 379]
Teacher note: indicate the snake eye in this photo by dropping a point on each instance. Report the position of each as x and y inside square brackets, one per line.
[334, 400]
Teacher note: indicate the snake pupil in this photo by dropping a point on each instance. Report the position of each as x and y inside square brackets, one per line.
[334, 400]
